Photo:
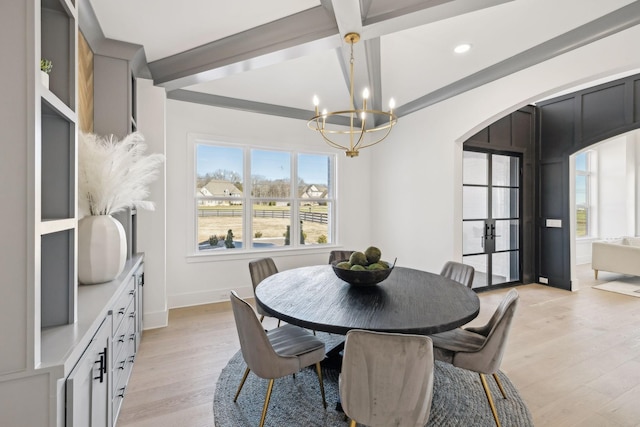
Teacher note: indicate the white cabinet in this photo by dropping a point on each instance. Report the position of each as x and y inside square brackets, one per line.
[87, 387]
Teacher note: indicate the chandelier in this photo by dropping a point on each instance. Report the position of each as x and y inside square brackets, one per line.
[374, 124]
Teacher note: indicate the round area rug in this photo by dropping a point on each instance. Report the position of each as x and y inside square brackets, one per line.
[458, 399]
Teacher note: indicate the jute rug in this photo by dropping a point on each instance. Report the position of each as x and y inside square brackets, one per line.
[458, 399]
[626, 286]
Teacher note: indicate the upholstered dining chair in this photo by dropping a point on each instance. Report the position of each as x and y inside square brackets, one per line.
[459, 272]
[274, 354]
[480, 349]
[259, 270]
[387, 379]
[339, 255]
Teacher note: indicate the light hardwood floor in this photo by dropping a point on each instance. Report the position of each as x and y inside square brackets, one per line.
[574, 356]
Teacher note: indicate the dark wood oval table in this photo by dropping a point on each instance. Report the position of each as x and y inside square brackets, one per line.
[408, 301]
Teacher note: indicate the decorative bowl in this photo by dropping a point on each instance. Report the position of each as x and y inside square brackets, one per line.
[361, 278]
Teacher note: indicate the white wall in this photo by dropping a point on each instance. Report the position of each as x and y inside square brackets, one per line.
[202, 279]
[404, 195]
[419, 220]
[151, 118]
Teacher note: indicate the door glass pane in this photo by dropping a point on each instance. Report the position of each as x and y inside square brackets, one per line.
[505, 171]
[505, 203]
[219, 224]
[474, 202]
[507, 235]
[479, 263]
[475, 167]
[505, 266]
[472, 237]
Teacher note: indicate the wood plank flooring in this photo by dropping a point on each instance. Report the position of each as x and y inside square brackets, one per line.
[574, 356]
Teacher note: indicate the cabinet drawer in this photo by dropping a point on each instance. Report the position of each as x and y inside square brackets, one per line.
[121, 307]
[125, 333]
[121, 376]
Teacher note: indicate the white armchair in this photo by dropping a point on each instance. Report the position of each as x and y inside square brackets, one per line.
[617, 256]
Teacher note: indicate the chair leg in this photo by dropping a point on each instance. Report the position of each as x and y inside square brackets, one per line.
[261, 318]
[244, 378]
[495, 376]
[319, 371]
[483, 380]
[278, 323]
[266, 402]
[353, 423]
[595, 272]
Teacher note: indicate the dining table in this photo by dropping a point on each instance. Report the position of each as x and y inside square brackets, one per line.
[408, 301]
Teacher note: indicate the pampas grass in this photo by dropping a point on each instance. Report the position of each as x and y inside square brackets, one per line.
[114, 175]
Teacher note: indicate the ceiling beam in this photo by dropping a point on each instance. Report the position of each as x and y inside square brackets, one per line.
[297, 35]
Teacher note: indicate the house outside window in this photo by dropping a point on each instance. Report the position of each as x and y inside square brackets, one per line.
[259, 199]
[585, 189]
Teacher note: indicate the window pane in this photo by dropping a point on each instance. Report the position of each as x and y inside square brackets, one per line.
[582, 221]
[474, 202]
[314, 173]
[270, 174]
[271, 224]
[474, 168]
[582, 162]
[219, 171]
[505, 267]
[219, 225]
[505, 203]
[582, 189]
[505, 171]
[314, 223]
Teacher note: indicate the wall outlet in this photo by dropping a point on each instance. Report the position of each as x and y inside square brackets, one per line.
[543, 280]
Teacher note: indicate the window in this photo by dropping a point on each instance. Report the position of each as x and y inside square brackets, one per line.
[585, 194]
[250, 198]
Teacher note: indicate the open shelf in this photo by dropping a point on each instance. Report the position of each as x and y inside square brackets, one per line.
[57, 281]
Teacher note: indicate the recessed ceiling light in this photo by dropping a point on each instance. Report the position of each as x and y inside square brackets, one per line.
[462, 48]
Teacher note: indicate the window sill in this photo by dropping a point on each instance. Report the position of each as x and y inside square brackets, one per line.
[225, 256]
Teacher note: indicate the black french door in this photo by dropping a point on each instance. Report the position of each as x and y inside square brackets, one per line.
[491, 221]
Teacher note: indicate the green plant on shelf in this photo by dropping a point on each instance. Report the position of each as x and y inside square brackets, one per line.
[46, 65]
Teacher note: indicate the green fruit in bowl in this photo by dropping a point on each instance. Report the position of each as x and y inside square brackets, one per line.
[358, 258]
[385, 264]
[376, 266]
[357, 268]
[373, 254]
[345, 265]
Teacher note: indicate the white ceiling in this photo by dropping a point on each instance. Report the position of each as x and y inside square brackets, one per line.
[414, 60]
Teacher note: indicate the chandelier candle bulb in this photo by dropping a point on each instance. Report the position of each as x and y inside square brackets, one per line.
[360, 133]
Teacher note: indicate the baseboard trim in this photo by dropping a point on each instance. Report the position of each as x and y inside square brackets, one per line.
[157, 319]
[206, 297]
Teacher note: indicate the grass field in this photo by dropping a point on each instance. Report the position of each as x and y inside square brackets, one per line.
[272, 230]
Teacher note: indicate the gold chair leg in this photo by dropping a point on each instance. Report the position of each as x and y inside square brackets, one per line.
[595, 272]
[495, 376]
[483, 379]
[261, 318]
[266, 402]
[319, 371]
[353, 423]
[244, 378]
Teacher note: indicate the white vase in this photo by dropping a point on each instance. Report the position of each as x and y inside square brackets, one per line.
[102, 249]
[44, 77]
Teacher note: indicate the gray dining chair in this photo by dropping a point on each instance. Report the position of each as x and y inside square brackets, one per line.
[459, 272]
[259, 270]
[276, 353]
[480, 349]
[386, 379]
[339, 256]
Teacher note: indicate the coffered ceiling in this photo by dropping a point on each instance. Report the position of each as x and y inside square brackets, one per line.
[273, 56]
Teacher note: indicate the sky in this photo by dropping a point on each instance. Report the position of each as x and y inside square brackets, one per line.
[313, 168]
